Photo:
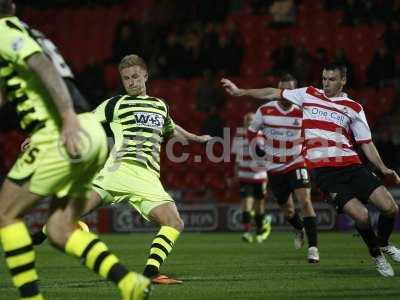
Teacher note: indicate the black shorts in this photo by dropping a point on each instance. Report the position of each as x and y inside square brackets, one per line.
[282, 185]
[345, 183]
[255, 190]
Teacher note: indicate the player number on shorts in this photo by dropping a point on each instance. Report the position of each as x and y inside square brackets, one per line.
[302, 174]
[31, 155]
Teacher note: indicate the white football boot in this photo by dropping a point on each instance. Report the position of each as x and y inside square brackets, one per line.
[382, 266]
[313, 255]
[392, 251]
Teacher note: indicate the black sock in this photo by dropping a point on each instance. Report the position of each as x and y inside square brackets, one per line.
[370, 239]
[38, 238]
[385, 229]
[296, 221]
[150, 271]
[310, 225]
[259, 219]
[246, 217]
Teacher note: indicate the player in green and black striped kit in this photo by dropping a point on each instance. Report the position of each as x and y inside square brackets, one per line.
[140, 123]
[63, 156]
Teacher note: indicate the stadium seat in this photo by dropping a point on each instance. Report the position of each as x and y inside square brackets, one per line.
[112, 77]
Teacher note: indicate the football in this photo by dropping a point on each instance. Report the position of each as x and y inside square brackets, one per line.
[83, 226]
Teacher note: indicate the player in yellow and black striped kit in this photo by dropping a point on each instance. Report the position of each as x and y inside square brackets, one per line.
[64, 155]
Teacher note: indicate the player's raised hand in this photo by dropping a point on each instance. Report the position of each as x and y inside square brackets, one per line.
[230, 87]
[392, 175]
[70, 134]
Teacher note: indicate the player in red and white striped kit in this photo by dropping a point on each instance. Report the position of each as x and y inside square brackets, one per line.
[253, 181]
[281, 124]
[333, 124]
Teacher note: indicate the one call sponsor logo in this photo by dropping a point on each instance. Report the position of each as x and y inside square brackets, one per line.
[321, 114]
[274, 133]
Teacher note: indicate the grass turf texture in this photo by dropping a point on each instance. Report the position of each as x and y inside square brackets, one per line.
[221, 266]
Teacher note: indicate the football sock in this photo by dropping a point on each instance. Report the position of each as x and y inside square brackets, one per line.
[310, 226]
[38, 238]
[246, 220]
[160, 248]
[370, 240]
[95, 256]
[385, 229]
[296, 221]
[259, 219]
[20, 260]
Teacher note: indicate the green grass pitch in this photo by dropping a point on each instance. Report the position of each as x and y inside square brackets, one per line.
[221, 266]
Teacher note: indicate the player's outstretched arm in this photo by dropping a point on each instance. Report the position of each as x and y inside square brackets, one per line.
[264, 93]
[58, 91]
[182, 133]
[373, 156]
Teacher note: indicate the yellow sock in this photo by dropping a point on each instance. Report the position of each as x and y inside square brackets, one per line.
[20, 260]
[160, 249]
[94, 255]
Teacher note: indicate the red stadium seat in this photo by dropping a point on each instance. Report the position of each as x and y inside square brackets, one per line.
[112, 77]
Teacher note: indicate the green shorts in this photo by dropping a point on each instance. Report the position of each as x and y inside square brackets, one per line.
[49, 169]
[133, 183]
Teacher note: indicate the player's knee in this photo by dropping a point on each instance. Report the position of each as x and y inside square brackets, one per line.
[288, 211]
[389, 206]
[175, 222]
[308, 208]
[393, 210]
[362, 219]
[178, 224]
[5, 218]
[306, 203]
[59, 232]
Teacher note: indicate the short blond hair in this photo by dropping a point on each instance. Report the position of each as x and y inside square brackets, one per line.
[132, 60]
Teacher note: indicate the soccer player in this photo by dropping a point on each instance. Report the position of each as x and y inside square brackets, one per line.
[140, 123]
[253, 182]
[79, 102]
[281, 123]
[333, 124]
[64, 154]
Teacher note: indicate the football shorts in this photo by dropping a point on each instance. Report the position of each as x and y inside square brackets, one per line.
[133, 183]
[51, 171]
[283, 184]
[256, 190]
[344, 183]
